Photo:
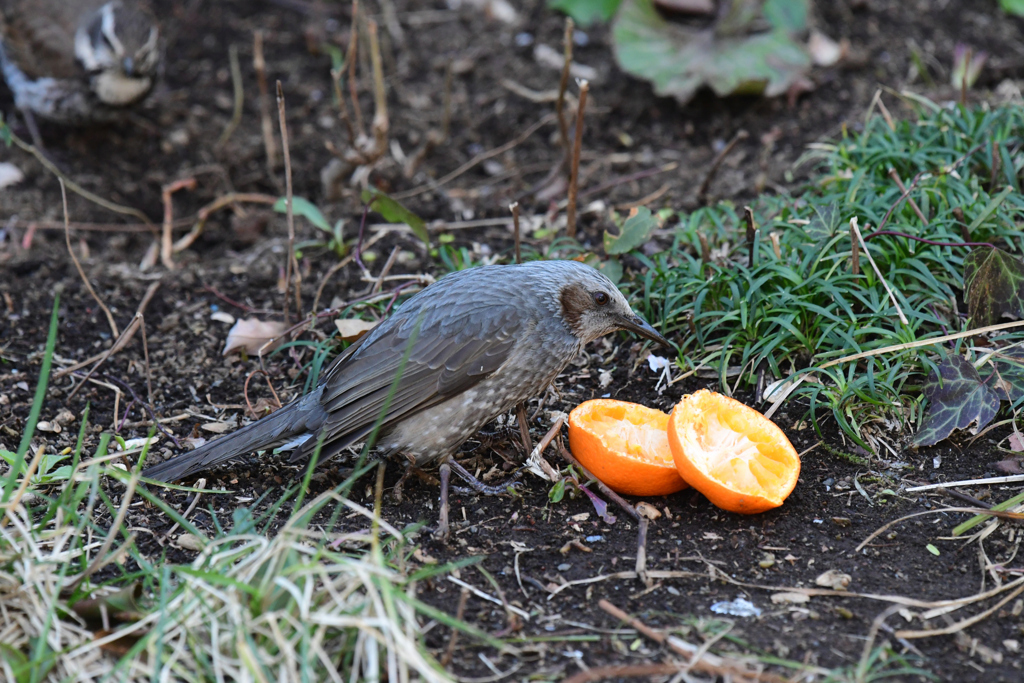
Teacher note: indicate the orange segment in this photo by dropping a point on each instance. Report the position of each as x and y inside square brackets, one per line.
[739, 459]
[625, 445]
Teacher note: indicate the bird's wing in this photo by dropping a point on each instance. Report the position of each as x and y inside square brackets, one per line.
[422, 356]
[42, 43]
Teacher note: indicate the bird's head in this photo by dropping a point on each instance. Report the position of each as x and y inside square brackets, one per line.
[592, 307]
[118, 45]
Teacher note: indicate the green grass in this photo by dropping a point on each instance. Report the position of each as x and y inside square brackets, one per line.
[259, 602]
[791, 312]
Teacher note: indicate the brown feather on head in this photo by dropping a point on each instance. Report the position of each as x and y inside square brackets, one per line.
[592, 307]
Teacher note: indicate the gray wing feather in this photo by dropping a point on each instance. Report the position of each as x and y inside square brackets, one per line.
[457, 340]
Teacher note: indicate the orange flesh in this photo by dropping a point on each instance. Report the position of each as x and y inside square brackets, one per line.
[731, 457]
[626, 434]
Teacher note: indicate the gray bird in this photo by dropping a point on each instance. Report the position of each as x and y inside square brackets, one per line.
[78, 61]
[466, 349]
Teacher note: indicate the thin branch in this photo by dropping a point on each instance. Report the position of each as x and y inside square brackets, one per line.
[514, 208]
[239, 93]
[78, 266]
[266, 124]
[574, 168]
[292, 266]
[899, 183]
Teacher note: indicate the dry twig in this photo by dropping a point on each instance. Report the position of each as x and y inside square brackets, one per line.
[266, 124]
[78, 266]
[291, 265]
[574, 168]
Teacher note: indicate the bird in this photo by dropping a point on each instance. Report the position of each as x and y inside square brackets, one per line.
[78, 62]
[467, 348]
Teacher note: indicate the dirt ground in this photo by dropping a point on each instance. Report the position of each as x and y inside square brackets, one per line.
[234, 267]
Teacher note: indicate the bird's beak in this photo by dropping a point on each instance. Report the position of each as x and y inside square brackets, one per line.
[638, 325]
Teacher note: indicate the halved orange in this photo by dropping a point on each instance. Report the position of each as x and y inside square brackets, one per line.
[739, 459]
[625, 445]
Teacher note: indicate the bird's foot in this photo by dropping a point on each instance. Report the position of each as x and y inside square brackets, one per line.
[443, 530]
[477, 486]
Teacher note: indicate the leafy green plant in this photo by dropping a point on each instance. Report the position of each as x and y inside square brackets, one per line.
[786, 307]
[1013, 6]
[334, 239]
[732, 53]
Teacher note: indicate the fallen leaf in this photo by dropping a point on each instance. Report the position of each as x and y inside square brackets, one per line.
[216, 427]
[834, 579]
[10, 174]
[648, 510]
[190, 542]
[1016, 442]
[824, 51]
[251, 335]
[222, 317]
[731, 57]
[957, 399]
[351, 329]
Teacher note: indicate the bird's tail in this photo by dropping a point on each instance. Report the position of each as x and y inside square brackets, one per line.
[302, 417]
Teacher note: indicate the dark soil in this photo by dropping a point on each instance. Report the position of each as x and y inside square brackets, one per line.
[628, 131]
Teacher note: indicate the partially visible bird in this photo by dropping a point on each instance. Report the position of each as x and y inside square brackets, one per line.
[78, 61]
[466, 349]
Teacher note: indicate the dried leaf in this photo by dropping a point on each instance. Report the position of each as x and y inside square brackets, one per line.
[648, 510]
[10, 174]
[121, 606]
[834, 579]
[1017, 442]
[251, 335]
[824, 51]
[957, 399]
[351, 329]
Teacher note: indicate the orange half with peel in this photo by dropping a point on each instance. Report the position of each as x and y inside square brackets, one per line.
[739, 459]
[625, 445]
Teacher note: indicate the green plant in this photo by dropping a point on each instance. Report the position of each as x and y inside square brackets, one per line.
[788, 306]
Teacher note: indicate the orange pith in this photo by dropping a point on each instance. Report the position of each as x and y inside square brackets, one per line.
[625, 445]
[739, 459]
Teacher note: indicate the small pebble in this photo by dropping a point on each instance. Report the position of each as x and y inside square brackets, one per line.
[524, 39]
[594, 539]
[564, 567]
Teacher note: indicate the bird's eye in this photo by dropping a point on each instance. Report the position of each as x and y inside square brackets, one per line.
[601, 298]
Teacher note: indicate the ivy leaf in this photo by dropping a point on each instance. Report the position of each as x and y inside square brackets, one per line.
[957, 399]
[1008, 367]
[394, 212]
[586, 12]
[731, 57]
[993, 285]
[635, 231]
[306, 209]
